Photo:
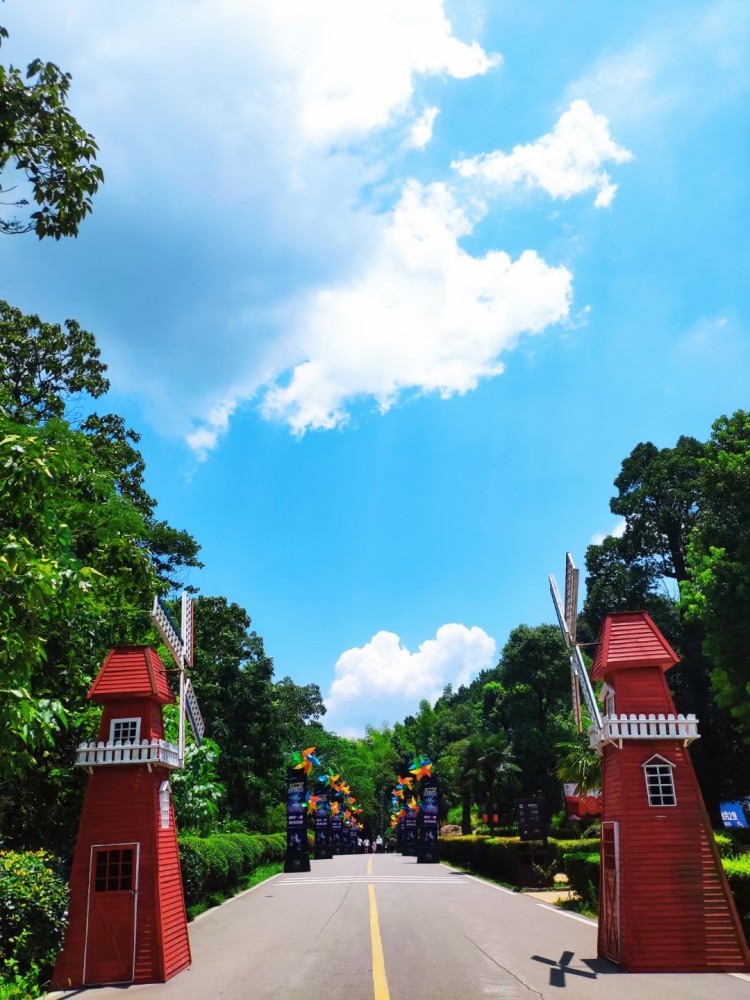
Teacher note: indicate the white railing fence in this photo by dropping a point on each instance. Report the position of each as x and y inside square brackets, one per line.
[645, 727]
[95, 754]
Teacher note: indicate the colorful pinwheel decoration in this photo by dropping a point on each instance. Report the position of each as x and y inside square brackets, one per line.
[406, 782]
[415, 805]
[329, 779]
[312, 802]
[335, 809]
[421, 768]
[306, 760]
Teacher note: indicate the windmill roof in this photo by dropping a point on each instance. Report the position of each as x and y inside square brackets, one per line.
[132, 671]
[631, 639]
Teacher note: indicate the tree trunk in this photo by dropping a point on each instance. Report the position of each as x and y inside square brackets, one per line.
[466, 817]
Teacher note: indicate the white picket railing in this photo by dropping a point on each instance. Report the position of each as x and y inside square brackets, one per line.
[95, 754]
[645, 727]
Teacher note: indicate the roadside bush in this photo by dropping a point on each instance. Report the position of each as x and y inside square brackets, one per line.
[729, 846]
[33, 911]
[738, 874]
[510, 860]
[214, 867]
[230, 846]
[582, 869]
[194, 869]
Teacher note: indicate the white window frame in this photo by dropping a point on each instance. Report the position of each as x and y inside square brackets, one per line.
[129, 722]
[609, 702]
[165, 793]
[661, 768]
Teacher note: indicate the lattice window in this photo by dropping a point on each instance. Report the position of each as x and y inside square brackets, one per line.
[125, 731]
[660, 783]
[164, 793]
[114, 870]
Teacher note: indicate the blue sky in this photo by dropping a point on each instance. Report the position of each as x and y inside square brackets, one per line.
[390, 290]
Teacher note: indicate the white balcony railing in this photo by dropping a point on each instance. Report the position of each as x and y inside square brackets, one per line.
[149, 752]
[616, 728]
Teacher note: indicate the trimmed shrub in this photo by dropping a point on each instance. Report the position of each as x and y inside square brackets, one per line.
[194, 869]
[582, 869]
[33, 911]
[728, 844]
[738, 874]
[214, 867]
[230, 847]
[510, 860]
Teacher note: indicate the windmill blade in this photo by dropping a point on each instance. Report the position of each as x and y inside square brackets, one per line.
[587, 690]
[193, 713]
[559, 610]
[187, 628]
[167, 630]
[576, 695]
[571, 597]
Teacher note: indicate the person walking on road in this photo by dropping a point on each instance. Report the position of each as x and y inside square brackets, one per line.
[378, 844]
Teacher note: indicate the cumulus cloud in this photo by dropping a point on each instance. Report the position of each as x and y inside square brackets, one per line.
[383, 680]
[420, 133]
[567, 161]
[422, 314]
[617, 532]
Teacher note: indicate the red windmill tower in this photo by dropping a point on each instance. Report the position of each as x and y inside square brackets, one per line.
[127, 911]
[664, 901]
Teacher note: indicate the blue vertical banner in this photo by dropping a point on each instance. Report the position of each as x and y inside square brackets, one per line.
[322, 838]
[297, 857]
[336, 834]
[428, 839]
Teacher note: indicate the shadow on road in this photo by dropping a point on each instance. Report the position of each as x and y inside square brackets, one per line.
[561, 969]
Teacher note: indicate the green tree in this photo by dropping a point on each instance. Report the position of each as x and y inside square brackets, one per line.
[578, 764]
[44, 368]
[74, 580]
[718, 593]
[233, 681]
[53, 156]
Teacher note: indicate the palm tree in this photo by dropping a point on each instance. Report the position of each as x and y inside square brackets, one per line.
[578, 764]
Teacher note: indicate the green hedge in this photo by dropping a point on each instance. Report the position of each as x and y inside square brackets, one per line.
[738, 874]
[33, 911]
[582, 869]
[506, 858]
[215, 867]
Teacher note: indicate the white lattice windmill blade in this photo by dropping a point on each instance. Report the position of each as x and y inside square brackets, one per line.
[567, 616]
[179, 642]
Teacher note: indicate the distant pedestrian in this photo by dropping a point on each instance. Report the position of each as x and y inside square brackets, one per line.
[379, 844]
[366, 844]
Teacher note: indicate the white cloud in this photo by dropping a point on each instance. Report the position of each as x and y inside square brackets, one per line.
[567, 161]
[205, 438]
[617, 532]
[421, 314]
[384, 681]
[420, 134]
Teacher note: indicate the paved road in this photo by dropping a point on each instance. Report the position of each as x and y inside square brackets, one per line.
[385, 928]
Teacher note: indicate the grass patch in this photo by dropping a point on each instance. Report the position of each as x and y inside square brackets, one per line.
[577, 905]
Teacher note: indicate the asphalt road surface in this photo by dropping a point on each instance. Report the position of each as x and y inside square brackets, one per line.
[385, 928]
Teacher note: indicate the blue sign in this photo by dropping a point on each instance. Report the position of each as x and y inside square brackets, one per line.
[732, 815]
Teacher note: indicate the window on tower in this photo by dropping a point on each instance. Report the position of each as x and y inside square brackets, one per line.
[125, 731]
[659, 774]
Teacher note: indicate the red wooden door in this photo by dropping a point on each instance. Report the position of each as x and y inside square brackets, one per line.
[610, 889]
[111, 919]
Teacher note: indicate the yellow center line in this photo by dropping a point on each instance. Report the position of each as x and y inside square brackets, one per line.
[369, 866]
[378, 962]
